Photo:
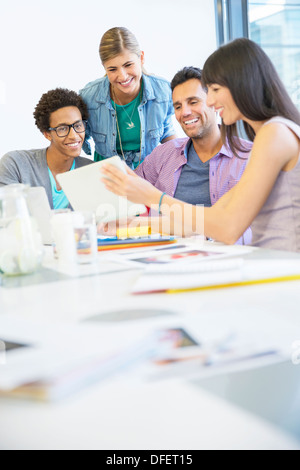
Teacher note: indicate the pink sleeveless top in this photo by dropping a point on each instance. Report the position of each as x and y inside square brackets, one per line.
[277, 226]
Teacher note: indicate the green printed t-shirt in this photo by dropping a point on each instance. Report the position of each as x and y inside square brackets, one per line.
[129, 126]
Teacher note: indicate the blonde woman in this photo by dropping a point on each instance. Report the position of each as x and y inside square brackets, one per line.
[130, 111]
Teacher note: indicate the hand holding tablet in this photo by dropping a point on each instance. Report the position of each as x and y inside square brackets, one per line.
[86, 192]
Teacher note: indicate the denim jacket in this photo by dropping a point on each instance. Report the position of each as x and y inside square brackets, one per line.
[155, 111]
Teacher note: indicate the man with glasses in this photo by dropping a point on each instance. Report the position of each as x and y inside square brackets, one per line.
[61, 117]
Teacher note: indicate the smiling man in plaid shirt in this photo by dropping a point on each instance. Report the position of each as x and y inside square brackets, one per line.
[199, 168]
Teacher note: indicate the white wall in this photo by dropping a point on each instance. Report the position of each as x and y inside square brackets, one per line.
[46, 44]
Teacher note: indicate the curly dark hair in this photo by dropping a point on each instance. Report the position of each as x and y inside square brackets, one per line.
[54, 100]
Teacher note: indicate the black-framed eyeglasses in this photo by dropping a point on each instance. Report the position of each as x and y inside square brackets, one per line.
[64, 131]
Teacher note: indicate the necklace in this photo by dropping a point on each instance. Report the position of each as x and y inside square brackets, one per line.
[118, 129]
[130, 124]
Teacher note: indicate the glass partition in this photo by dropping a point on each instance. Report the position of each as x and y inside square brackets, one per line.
[275, 26]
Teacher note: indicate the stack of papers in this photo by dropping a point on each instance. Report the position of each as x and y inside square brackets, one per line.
[173, 257]
[114, 243]
[214, 343]
[50, 362]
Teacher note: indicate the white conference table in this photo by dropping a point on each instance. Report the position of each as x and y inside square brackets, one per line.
[254, 409]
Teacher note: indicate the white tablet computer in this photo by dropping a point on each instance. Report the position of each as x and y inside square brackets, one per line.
[86, 192]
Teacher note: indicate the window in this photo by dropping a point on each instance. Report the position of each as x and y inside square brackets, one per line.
[274, 25]
[231, 19]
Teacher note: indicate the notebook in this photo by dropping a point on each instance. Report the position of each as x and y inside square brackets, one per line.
[86, 192]
[222, 273]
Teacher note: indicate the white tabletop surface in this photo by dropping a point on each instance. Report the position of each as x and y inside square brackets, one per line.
[124, 413]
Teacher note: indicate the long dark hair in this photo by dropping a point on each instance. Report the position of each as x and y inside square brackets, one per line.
[244, 68]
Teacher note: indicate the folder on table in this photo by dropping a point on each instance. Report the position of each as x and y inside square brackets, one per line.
[224, 273]
[118, 244]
